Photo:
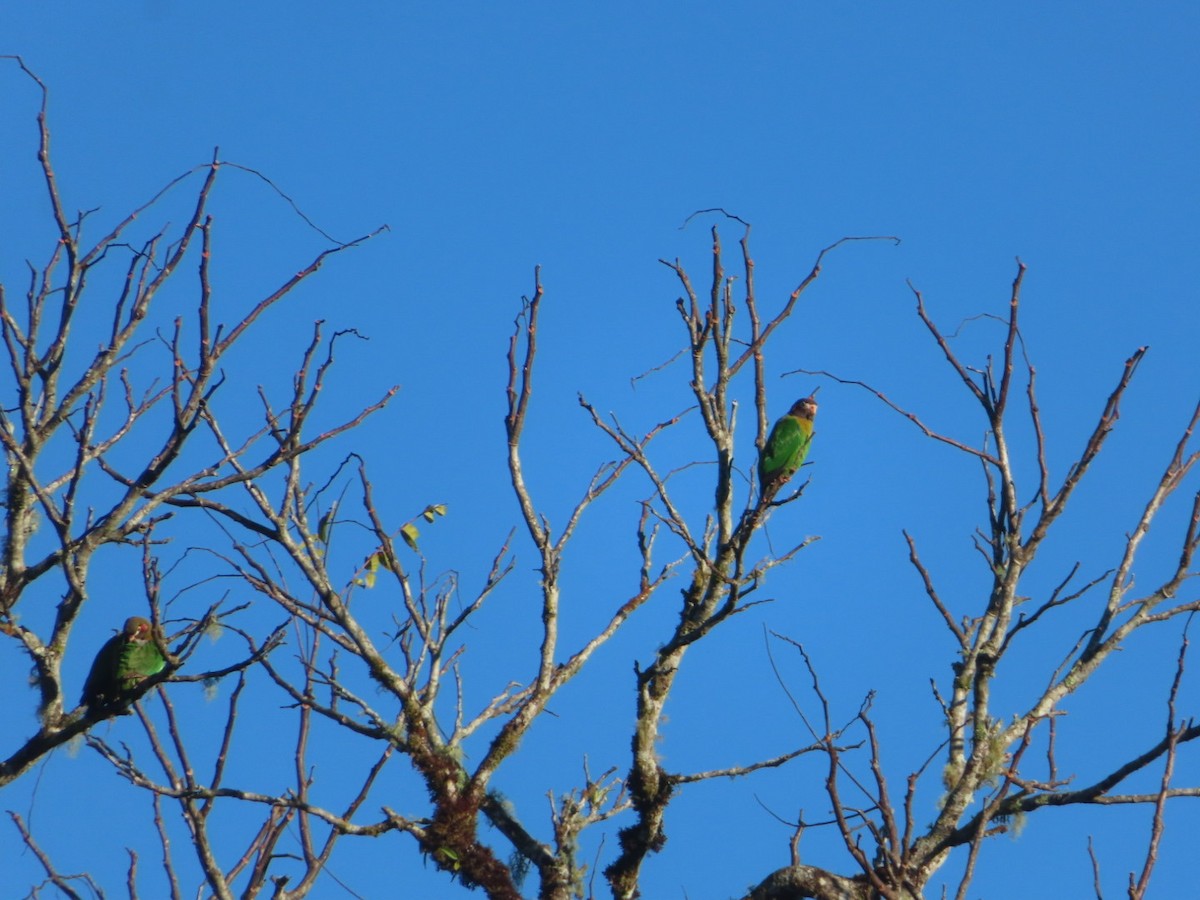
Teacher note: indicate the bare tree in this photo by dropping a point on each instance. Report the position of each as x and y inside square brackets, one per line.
[987, 777]
[99, 461]
[393, 682]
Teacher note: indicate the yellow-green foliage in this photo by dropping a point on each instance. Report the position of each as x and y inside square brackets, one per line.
[951, 774]
[994, 755]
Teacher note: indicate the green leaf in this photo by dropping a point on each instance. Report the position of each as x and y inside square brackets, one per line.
[435, 509]
[326, 524]
[371, 565]
[410, 534]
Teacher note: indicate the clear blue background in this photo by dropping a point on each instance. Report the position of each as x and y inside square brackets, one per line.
[493, 137]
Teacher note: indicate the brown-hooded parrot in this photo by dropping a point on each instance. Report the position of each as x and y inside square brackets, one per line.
[787, 446]
[124, 661]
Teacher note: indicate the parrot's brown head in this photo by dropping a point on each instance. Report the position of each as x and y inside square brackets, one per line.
[804, 408]
[137, 629]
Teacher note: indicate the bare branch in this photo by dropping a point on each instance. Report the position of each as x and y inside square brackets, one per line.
[62, 882]
[912, 417]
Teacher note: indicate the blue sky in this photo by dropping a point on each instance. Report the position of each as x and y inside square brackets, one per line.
[494, 137]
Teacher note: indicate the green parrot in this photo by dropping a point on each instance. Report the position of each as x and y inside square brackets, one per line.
[124, 661]
[787, 446]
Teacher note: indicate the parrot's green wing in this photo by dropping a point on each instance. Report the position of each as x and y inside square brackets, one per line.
[103, 683]
[139, 660]
[785, 450]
